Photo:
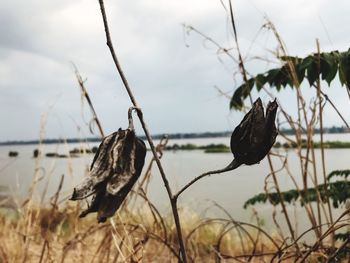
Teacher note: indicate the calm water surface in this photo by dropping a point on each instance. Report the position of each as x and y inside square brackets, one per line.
[229, 190]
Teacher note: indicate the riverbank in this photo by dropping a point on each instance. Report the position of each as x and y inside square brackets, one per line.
[171, 136]
[208, 148]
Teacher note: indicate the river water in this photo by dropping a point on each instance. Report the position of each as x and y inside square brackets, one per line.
[229, 190]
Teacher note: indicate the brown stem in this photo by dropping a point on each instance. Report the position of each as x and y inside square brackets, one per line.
[147, 133]
[325, 181]
[43, 251]
[329, 231]
[310, 145]
[147, 175]
[301, 111]
[241, 64]
[291, 230]
[233, 165]
[87, 97]
[335, 108]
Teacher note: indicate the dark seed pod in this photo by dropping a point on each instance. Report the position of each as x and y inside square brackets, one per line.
[116, 167]
[253, 138]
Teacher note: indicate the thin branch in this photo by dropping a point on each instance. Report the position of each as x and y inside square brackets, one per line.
[147, 133]
[334, 107]
[325, 181]
[87, 97]
[233, 165]
[284, 209]
[329, 231]
[211, 40]
[240, 64]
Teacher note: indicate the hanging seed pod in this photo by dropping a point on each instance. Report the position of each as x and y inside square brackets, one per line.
[253, 138]
[116, 167]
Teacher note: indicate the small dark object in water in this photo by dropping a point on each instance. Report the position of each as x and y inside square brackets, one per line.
[116, 167]
[52, 155]
[253, 138]
[13, 154]
[78, 151]
[57, 155]
[36, 153]
[74, 151]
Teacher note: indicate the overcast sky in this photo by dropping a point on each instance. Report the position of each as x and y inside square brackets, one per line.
[173, 74]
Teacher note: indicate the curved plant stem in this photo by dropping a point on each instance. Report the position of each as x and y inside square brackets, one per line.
[183, 257]
[329, 231]
[233, 165]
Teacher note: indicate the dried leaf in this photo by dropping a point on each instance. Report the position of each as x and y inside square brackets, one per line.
[116, 167]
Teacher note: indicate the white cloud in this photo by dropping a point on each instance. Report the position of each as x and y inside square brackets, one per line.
[173, 83]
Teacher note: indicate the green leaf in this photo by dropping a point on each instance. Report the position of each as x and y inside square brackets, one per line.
[260, 81]
[300, 71]
[342, 236]
[306, 62]
[237, 99]
[242, 92]
[312, 71]
[285, 76]
[294, 60]
[277, 79]
[338, 192]
[329, 66]
[308, 67]
[271, 75]
[344, 68]
[344, 173]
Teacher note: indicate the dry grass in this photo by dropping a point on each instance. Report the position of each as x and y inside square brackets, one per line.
[44, 234]
[49, 234]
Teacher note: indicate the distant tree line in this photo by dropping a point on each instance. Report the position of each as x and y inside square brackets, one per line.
[192, 135]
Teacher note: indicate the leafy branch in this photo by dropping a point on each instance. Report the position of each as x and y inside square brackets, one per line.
[338, 192]
[343, 173]
[325, 66]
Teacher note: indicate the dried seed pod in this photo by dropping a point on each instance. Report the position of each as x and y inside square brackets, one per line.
[116, 167]
[253, 138]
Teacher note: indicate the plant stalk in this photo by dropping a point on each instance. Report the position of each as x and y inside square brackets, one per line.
[109, 43]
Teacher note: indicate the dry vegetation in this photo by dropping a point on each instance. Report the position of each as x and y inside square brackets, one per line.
[50, 235]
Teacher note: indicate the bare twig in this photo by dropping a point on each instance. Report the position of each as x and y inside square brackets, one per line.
[329, 231]
[335, 108]
[211, 40]
[233, 165]
[325, 181]
[291, 230]
[241, 64]
[147, 175]
[87, 97]
[147, 133]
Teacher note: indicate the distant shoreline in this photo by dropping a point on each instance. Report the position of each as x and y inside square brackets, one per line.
[96, 139]
[331, 130]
